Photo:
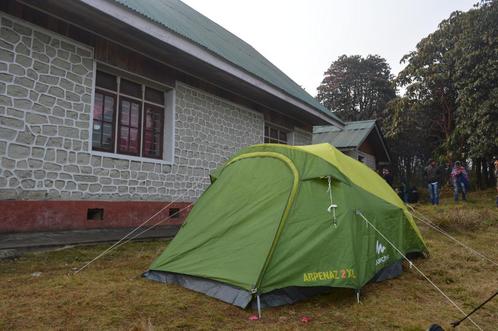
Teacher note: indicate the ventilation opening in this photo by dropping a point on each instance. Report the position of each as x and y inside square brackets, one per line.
[174, 212]
[95, 214]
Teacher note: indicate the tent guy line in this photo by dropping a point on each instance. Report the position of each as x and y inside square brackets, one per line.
[359, 213]
[153, 226]
[421, 218]
[106, 251]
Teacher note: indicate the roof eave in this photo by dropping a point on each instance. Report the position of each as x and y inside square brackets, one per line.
[381, 138]
[167, 36]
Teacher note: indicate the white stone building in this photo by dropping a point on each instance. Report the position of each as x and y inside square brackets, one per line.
[111, 109]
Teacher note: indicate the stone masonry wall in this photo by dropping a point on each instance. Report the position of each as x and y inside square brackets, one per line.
[46, 83]
[208, 131]
[45, 96]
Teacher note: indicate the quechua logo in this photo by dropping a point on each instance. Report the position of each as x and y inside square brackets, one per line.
[380, 249]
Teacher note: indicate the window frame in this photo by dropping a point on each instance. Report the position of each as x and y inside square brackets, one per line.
[161, 141]
[119, 126]
[166, 152]
[267, 139]
[115, 97]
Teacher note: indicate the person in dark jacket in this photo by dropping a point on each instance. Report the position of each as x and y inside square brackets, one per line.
[386, 174]
[433, 177]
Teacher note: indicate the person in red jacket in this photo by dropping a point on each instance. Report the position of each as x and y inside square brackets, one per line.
[460, 180]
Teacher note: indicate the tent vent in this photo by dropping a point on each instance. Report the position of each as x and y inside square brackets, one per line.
[174, 212]
[95, 214]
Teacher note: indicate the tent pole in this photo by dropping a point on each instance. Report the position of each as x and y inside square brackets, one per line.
[259, 306]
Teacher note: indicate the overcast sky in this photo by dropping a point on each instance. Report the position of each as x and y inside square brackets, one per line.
[302, 38]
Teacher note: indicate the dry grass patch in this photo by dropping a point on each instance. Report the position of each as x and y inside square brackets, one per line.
[111, 295]
[478, 212]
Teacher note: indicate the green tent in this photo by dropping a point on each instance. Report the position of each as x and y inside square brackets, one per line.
[281, 223]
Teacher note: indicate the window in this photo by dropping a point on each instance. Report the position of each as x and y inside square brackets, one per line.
[128, 117]
[275, 135]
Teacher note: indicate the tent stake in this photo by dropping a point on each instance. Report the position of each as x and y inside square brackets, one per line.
[358, 296]
[259, 306]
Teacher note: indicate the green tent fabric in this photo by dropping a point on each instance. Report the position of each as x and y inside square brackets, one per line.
[267, 226]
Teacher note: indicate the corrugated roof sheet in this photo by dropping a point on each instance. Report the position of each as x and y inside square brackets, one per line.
[352, 135]
[188, 23]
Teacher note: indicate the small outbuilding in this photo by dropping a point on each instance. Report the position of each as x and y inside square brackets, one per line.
[361, 140]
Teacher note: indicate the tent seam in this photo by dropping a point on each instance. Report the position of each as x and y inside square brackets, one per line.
[290, 201]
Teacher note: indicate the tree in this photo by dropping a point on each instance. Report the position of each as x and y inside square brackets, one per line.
[452, 74]
[476, 51]
[357, 88]
[429, 81]
[410, 150]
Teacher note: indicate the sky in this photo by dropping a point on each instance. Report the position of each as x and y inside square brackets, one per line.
[303, 38]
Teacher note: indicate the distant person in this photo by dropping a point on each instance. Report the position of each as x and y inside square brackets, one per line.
[413, 195]
[404, 189]
[386, 174]
[460, 180]
[496, 178]
[401, 192]
[433, 177]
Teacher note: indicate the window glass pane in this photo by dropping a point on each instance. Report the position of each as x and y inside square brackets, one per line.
[130, 88]
[153, 131]
[282, 136]
[97, 106]
[108, 109]
[157, 123]
[153, 118]
[147, 139]
[148, 120]
[155, 146]
[107, 136]
[123, 139]
[96, 134]
[106, 81]
[153, 95]
[273, 133]
[267, 133]
[133, 141]
[124, 114]
[135, 115]
[152, 144]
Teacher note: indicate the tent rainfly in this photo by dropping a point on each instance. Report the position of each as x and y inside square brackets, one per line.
[281, 223]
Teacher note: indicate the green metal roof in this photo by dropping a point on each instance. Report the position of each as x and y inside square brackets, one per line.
[188, 23]
[351, 136]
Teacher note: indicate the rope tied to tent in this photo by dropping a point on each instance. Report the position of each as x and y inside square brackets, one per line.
[424, 219]
[332, 206]
[122, 241]
[416, 268]
[154, 225]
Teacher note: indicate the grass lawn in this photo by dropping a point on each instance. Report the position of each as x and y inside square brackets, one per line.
[39, 292]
